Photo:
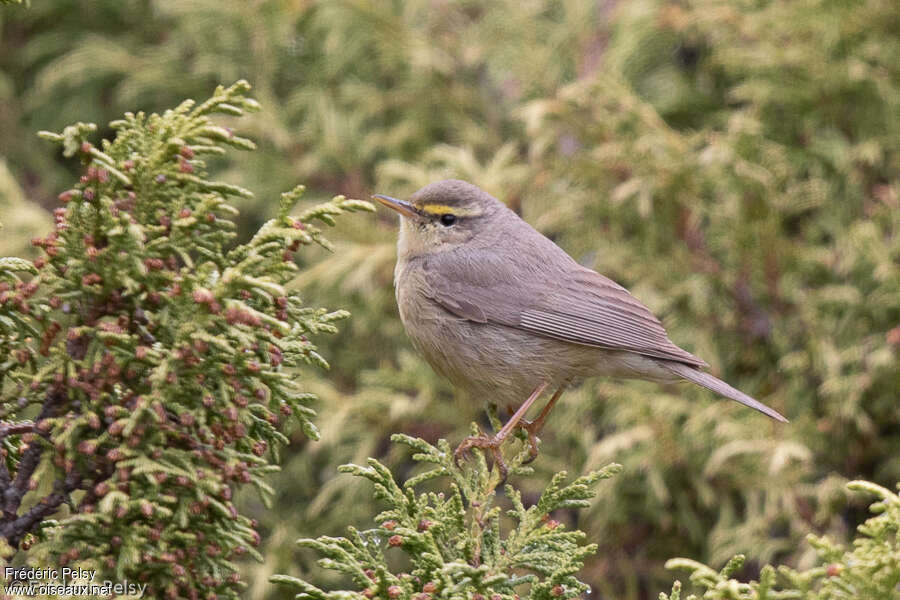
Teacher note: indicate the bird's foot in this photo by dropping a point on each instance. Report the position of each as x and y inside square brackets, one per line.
[484, 442]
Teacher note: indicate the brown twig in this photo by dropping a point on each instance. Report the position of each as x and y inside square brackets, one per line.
[12, 491]
[8, 429]
[14, 530]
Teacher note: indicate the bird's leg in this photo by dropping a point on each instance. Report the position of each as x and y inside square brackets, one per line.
[493, 443]
[532, 428]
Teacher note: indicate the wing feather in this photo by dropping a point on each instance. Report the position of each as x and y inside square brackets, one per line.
[581, 307]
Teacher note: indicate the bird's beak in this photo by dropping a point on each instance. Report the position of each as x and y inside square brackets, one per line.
[401, 206]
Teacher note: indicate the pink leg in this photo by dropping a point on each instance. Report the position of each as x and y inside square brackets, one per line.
[534, 427]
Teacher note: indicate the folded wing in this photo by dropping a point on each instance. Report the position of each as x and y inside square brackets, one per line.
[575, 305]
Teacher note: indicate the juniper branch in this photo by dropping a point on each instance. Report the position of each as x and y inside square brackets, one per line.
[867, 569]
[158, 350]
[454, 539]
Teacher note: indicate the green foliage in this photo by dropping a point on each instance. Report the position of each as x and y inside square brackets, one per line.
[734, 164]
[870, 569]
[454, 539]
[155, 356]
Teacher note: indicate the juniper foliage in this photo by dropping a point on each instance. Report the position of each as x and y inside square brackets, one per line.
[456, 542]
[148, 365]
[868, 569]
[734, 164]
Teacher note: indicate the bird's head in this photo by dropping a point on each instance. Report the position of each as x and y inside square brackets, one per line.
[443, 215]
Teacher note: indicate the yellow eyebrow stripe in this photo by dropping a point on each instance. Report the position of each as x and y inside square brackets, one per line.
[443, 209]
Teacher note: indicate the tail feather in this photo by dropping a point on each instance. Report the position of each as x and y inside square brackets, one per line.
[720, 387]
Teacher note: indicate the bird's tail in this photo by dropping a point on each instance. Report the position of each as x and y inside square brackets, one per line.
[720, 387]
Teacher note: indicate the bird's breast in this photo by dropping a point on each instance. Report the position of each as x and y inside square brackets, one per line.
[495, 363]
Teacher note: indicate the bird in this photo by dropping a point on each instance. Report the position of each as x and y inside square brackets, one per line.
[505, 314]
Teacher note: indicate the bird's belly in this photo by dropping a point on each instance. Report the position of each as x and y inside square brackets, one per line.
[495, 364]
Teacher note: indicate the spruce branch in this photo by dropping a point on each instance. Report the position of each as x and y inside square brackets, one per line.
[457, 542]
[149, 362]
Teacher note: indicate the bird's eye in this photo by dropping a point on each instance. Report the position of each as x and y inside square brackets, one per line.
[447, 220]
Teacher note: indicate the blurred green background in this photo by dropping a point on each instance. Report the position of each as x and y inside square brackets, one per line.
[735, 164]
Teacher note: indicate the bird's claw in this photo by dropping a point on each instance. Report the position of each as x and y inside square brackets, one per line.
[493, 443]
[490, 443]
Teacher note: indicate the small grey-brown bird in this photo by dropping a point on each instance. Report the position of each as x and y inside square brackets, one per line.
[503, 312]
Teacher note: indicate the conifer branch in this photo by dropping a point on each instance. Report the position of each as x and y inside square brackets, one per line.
[161, 354]
[867, 569]
[16, 428]
[454, 539]
[11, 528]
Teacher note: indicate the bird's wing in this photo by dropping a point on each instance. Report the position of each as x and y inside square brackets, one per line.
[575, 305]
